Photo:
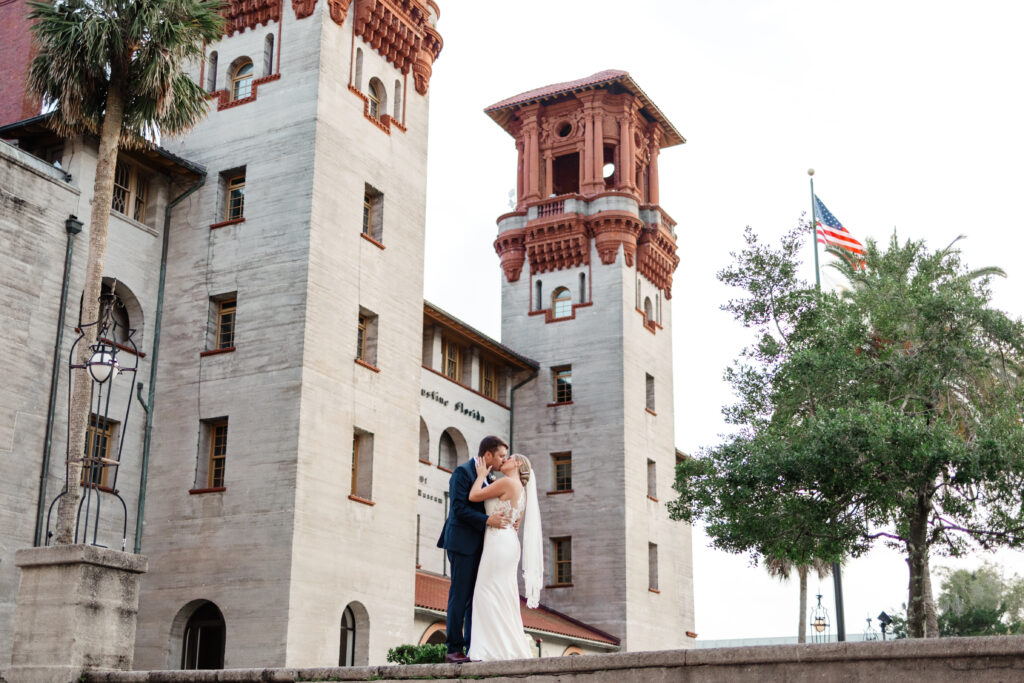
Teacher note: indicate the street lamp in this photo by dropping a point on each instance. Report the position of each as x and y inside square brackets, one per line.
[870, 633]
[819, 623]
[884, 619]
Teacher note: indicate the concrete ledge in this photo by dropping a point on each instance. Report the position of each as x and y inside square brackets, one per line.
[999, 658]
[81, 554]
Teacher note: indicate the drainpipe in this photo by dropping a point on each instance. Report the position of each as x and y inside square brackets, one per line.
[512, 408]
[73, 226]
[148, 406]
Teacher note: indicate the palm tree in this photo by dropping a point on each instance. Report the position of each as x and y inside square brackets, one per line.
[114, 68]
[781, 569]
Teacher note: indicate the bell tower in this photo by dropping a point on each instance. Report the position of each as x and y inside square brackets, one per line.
[588, 257]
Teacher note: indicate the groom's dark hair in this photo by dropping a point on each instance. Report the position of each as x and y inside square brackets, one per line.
[490, 443]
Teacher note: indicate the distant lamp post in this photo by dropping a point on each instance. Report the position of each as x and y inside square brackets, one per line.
[870, 633]
[820, 623]
[884, 619]
[101, 453]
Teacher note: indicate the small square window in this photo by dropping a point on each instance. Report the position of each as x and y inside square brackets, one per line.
[366, 337]
[489, 380]
[562, 384]
[373, 213]
[233, 194]
[562, 554]
[652, 566]
[451, 360]
[220, 327]
[213, 465]
[562, 468]
[362, 464]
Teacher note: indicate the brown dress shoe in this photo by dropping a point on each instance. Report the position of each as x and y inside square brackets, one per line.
[456, 658]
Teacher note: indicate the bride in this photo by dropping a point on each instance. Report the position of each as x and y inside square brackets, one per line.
[497, 631]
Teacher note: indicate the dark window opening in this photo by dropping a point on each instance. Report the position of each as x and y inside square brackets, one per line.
[565, 173]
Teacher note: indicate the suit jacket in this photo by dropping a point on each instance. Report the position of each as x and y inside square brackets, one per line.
[463, 531]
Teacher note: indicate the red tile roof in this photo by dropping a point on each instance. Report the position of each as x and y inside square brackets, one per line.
[503, 111]
[600, 78]
[432, 593]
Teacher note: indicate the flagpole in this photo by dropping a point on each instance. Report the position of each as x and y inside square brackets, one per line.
[814, 231]
[837, 574]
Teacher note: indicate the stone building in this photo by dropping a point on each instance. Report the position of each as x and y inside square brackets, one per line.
[307, 404]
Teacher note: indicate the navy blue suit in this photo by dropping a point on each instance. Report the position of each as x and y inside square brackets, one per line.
[463, 538]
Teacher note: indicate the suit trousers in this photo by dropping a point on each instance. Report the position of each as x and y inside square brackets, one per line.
[459, 625]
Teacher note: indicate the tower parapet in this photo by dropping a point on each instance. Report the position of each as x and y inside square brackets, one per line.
[588, 170]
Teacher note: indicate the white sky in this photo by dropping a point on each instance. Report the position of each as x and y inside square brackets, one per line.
[911, 113]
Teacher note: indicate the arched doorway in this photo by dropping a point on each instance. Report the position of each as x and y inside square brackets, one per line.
[202, 644]
[434, 634]
[354, 647]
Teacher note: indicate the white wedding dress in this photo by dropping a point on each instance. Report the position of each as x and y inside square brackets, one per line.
[497, 622]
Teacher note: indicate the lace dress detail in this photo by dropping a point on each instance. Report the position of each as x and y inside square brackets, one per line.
[497, 631]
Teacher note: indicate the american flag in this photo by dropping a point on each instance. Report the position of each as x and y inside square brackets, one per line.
[832, 233]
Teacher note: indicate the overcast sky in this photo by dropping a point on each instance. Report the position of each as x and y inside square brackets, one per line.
[910, 113]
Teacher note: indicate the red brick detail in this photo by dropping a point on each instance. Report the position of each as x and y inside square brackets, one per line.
[384, 123]
[216, 352]
[560, 242]
[303, 8]
[359, 499]
[691, 634]
[16, 52]
[338, 9]
[399, 30]
[511, 248]
[372, 241]
[233, 221]
[243, 14]
[215, 489]
[368, 366]
[656, 257]
[549, 315]
[223, 97]
[611, 229]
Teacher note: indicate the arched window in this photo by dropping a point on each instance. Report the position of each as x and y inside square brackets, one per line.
[211, 72]
[561, 302]
[538, 297]
[347, 653]
[583, 288]
[359, 69]
[434, 634]
[397, 116]
[268, 54]
[448, 456]
[355, 626]
[572, 650]
[648, 312]
[241, 79]
[119, 319]
[378, 98]
[202, 645]
[424, 442]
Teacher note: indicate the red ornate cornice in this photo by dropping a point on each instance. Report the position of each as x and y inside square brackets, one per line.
[656, 257]
[611, 229]
[338, 9]
[224, 100]
[400, 31]
[303, 8]
[243, 14]
[511, 249]
[560, 243]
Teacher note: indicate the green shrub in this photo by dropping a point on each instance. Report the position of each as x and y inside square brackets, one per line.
[418, 654]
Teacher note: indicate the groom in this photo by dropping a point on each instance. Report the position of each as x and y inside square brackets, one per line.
[463, 538]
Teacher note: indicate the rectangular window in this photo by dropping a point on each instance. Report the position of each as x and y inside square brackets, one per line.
[218, 454]
[652, 567]
[652, 481]
[129, 196]
[562, 467]
[234, 196]
[226, 323]
[373, 213]
[451, 360]
[99, 438]
[366, 337]
[362, 465]
[562, 384]
[650, 393]
[489, 381]
[562, 554]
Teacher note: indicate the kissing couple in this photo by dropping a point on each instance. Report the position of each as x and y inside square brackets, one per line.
[481, 538]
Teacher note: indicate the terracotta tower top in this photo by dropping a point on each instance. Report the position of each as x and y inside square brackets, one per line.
[588, 169]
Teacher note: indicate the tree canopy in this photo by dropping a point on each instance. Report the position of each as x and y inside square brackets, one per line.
[889, 412]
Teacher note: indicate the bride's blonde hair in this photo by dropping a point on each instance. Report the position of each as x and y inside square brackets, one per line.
[525, 469]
